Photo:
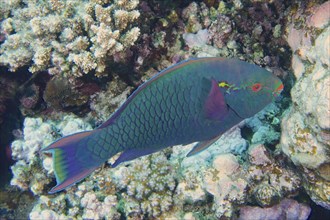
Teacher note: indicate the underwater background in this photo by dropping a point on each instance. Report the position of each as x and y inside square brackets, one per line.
[66, 66]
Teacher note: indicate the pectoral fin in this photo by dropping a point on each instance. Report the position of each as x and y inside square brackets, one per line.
[215, 106]
[200, 146]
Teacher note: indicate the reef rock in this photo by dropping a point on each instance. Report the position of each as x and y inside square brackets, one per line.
[287, 209]
[305, 128]
[225, 184]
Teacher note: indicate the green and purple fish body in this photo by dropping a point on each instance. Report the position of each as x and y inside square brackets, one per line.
[193, 101]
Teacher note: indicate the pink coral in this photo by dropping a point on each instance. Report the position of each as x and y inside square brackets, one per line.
[258, 155]
[297, 38]
[321, 16]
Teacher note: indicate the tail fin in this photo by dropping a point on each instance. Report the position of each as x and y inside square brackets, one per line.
[68, 170]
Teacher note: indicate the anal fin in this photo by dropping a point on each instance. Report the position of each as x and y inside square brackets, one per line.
[131, 154]
[200, 146]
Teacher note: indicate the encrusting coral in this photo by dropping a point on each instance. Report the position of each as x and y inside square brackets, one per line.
[269, 179]
[69, 38]
[149, 188]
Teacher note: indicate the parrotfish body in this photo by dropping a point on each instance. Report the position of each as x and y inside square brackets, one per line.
[193, 101]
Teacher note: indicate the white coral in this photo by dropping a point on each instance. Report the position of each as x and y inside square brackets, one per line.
[96, 209]
[36, 134]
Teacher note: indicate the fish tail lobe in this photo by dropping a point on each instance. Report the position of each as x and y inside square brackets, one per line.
[67, 165]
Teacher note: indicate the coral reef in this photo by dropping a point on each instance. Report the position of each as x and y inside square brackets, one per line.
[30, 99]
[224, 183]
[104, 103]
[67, 38]
[149, 191]
[242, 29]
[15, 204]
[305, 128]
[264, 132]
[147, 188]
[162, 185]
[223, 26]
[269, 179]
[74, 96]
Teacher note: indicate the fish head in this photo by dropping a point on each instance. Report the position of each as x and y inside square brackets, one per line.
[250, 88]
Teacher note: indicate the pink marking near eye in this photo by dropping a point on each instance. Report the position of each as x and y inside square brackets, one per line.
[278, 90]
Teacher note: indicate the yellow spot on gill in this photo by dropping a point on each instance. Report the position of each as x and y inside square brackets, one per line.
[227, 86]
[223, 84]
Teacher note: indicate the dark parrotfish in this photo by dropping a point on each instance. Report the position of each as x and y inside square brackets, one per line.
[193, 101]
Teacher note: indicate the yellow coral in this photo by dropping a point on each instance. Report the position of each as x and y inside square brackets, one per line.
[131, 36]
[127, 4]
[103, 15]
[122, 18]
[83, 61]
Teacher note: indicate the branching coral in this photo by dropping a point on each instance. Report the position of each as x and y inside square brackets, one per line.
[69, 38]
[150, 186]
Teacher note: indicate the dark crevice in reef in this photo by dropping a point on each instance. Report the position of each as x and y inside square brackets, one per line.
[10, 117]
[317, 212]
[14, 204]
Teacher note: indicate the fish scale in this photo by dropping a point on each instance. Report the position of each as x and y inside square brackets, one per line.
[149, 118]
[182, 104]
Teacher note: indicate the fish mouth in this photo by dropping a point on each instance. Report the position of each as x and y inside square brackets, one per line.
[278, 89]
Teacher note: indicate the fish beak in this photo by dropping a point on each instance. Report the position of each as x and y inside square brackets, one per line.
[278, 90]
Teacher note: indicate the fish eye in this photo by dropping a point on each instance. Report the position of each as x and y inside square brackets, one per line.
[256, 87]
